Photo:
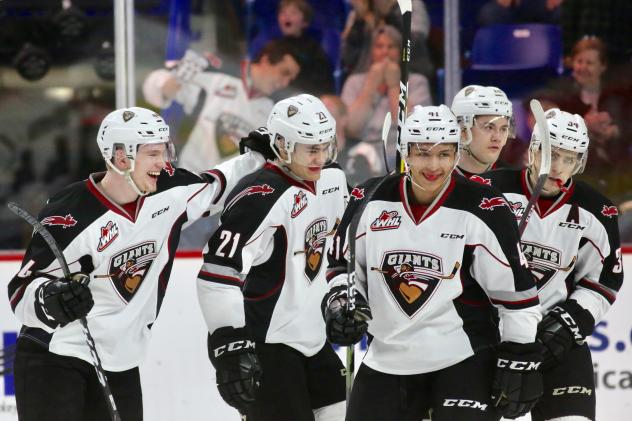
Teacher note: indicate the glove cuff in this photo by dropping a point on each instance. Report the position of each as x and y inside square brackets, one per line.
[520, 357]
[579, 321]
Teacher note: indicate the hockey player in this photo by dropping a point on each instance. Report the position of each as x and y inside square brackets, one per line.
[434, 251]
[485, 114]
[228, 106]
[263, 277]
[120, 229]
[572, 244]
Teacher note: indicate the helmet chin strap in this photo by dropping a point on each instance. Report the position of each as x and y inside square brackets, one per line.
[128, 177]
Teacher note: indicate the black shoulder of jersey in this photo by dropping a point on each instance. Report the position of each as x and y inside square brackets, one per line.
[485, 201]
[388, 190]
[176, 177]
[333, 164]
[254, 196]
[587, 197]
[507, 180]
[69, 212]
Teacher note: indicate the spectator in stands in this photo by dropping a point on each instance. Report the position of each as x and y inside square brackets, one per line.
[607, 19]
[605, 108]
[293, 19]
[366, 16]
[370, 95]
[229, 107]
[519, 11]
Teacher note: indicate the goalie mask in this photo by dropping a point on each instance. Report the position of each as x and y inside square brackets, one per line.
[128, 129]
[566, 131]
[475, 100]
[301, 119]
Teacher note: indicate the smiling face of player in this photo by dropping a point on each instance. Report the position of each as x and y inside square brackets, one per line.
[430, 165]
[150, 160]
[307, 161]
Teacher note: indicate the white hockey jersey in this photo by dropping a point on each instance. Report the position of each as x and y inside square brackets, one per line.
[128, 257]
[228, 111]
[264, 265]
[572, 247]
[432, 283]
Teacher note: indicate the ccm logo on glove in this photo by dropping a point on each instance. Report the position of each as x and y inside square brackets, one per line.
[234, 346]
[518, 365]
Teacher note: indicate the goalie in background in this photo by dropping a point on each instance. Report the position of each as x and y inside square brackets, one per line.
[436, 257]
[572, 243]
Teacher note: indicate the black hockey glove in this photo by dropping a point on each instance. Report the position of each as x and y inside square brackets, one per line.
[237, 368]
[561, 328]
[63, 300]
[517, 384]
[259, 141]
[342, 326]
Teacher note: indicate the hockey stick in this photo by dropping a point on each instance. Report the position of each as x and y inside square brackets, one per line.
[405, 7]
[385, 129]
[52, 244]
[545, 162]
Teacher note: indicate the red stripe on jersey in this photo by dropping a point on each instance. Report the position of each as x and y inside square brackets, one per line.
[209, 276]
[490, 253]
[593, 286]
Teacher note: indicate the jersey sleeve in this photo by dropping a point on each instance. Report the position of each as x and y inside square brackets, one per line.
[493, 258]
[244, 239]
[209, 198]
[598, 274]
[40, 265]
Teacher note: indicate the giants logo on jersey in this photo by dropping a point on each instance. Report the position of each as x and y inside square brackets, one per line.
[109, 233]
[544, 262]
[411, 278]
[386, 221]
[64, 221]
[300, 203]
[129, 268]
[315, 239]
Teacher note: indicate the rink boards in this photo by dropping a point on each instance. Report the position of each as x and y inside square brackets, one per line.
[178, 379]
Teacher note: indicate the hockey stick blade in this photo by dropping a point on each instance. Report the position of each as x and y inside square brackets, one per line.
[54, 247]
[386, 128]
[545, 162]
[405, 6]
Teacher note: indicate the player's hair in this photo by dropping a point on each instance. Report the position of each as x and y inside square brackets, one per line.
[302, 5]
[278, 48]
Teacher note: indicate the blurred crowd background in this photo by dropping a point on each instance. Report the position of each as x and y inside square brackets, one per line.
[57, 78]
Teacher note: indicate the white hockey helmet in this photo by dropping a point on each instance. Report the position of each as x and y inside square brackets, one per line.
[129, 128]
[301, 119]
[475, 100]
[432, 124]
[566, 131]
